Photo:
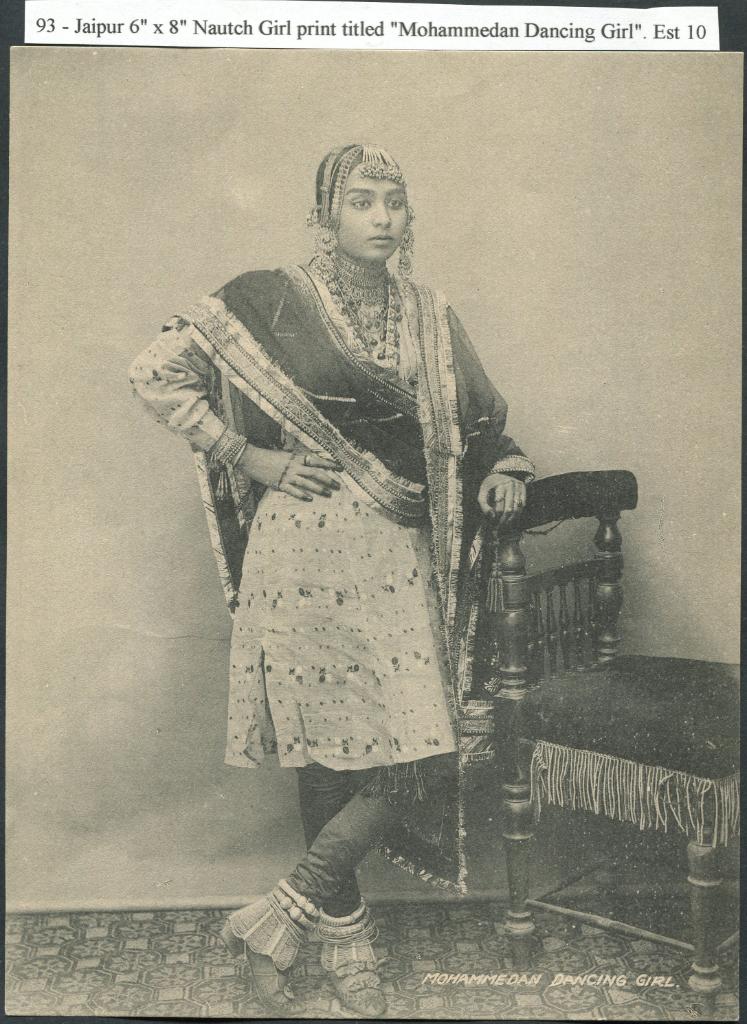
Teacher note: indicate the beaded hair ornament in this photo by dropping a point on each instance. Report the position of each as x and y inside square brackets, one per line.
[331, 182]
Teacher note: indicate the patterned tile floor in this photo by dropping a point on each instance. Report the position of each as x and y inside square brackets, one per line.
[172, 964]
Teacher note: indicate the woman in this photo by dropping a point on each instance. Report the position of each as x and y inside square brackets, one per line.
[348, 445]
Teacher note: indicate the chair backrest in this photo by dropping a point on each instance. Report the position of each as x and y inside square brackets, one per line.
[564, 617]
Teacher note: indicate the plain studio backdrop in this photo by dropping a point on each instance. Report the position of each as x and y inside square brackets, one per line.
[580, 211]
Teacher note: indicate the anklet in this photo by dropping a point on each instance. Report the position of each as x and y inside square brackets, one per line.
[298, 907]
[356, 915]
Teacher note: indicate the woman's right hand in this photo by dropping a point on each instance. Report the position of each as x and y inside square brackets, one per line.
[298, 474]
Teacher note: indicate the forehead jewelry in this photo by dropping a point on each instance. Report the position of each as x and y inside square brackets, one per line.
[377, 163]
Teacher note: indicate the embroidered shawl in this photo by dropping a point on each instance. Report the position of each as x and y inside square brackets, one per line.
[284, 360]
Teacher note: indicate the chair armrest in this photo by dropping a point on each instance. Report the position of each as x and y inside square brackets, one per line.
[577, 496]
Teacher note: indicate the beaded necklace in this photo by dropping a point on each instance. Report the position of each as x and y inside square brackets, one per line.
[368, 299]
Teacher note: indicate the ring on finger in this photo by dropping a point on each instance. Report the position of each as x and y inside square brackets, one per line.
[306, 460]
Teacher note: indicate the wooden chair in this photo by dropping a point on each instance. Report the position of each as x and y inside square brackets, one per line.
[649, 740]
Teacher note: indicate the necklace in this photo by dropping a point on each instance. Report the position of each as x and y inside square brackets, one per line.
[367, 284]
[369, 301]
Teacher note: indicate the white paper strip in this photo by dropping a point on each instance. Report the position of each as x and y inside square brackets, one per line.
[372, 26]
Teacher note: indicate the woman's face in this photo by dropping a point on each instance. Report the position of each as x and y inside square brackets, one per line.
[373, 218]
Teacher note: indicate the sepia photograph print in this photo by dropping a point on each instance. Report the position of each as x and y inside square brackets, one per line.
[374, 534]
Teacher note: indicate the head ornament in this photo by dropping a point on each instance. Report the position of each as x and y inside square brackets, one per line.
[331, 182]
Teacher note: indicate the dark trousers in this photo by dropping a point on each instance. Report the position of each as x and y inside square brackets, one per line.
[341, 825]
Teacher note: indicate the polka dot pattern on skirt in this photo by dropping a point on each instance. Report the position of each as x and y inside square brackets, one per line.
[333, 657]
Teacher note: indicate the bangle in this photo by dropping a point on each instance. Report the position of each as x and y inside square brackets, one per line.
[227, 449]
[514, 464]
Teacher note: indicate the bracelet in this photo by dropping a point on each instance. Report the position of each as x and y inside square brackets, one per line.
[513, 464]
[227, 449]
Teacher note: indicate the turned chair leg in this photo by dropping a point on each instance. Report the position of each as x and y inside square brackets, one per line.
[517, 836]
[705, 879]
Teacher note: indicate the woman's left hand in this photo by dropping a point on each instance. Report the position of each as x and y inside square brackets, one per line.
[502, 497]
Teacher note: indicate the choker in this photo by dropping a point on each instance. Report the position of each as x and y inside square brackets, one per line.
[368, 284]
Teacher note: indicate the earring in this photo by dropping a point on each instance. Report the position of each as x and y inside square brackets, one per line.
[325, 243]
[325, 238]
[405, 252]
